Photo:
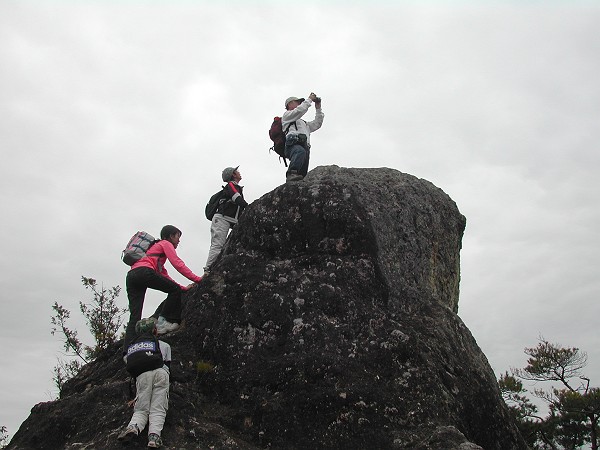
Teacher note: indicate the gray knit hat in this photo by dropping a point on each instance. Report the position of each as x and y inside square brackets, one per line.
[228, 173]
[145, 326]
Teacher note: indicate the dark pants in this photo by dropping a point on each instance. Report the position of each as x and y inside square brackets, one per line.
[299, 155]
[137, 282]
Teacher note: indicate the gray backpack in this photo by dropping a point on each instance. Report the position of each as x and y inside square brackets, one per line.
[137, 247]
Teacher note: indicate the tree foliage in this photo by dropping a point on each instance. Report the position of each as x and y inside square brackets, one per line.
[3, 436]
[103, 318]
[573, 405]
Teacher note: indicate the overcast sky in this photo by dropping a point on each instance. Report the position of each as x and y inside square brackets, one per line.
[119, 116]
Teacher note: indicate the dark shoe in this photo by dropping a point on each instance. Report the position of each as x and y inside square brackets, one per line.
[293, 177]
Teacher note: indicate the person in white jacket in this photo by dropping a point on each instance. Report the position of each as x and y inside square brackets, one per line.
[297, 130]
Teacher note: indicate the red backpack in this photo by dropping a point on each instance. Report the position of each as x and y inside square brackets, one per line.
[278, 137]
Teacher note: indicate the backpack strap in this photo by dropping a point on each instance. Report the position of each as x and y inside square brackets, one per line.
[288, 127]
[157, 255]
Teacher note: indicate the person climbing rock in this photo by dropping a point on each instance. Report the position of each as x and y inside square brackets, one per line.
[230, 208]
[150, 272]
[149, 359]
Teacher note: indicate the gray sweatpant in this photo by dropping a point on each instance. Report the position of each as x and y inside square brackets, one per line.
[151, 401]
[219, 228]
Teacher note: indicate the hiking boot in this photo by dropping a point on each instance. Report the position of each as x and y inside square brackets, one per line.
[292, 176]
[129, 433]
[163, 326]
[154, 440]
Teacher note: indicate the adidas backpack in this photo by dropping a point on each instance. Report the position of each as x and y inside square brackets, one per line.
[143, 355]
[137, 247]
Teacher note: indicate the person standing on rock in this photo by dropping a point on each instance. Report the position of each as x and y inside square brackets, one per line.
[297, 141]
[152, 384]
[150, 272]
[232, 204]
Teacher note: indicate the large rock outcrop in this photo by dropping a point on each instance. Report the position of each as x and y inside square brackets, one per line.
[328, 322]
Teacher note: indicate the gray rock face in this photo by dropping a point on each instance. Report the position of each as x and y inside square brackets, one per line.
[329, 322]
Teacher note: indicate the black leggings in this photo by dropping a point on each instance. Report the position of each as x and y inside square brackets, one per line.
[137, 282]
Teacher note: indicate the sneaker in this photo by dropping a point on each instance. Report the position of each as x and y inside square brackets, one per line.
[154, 440]
[163, 326]
[129, 433]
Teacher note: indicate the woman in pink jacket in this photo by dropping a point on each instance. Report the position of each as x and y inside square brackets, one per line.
[150, 272]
